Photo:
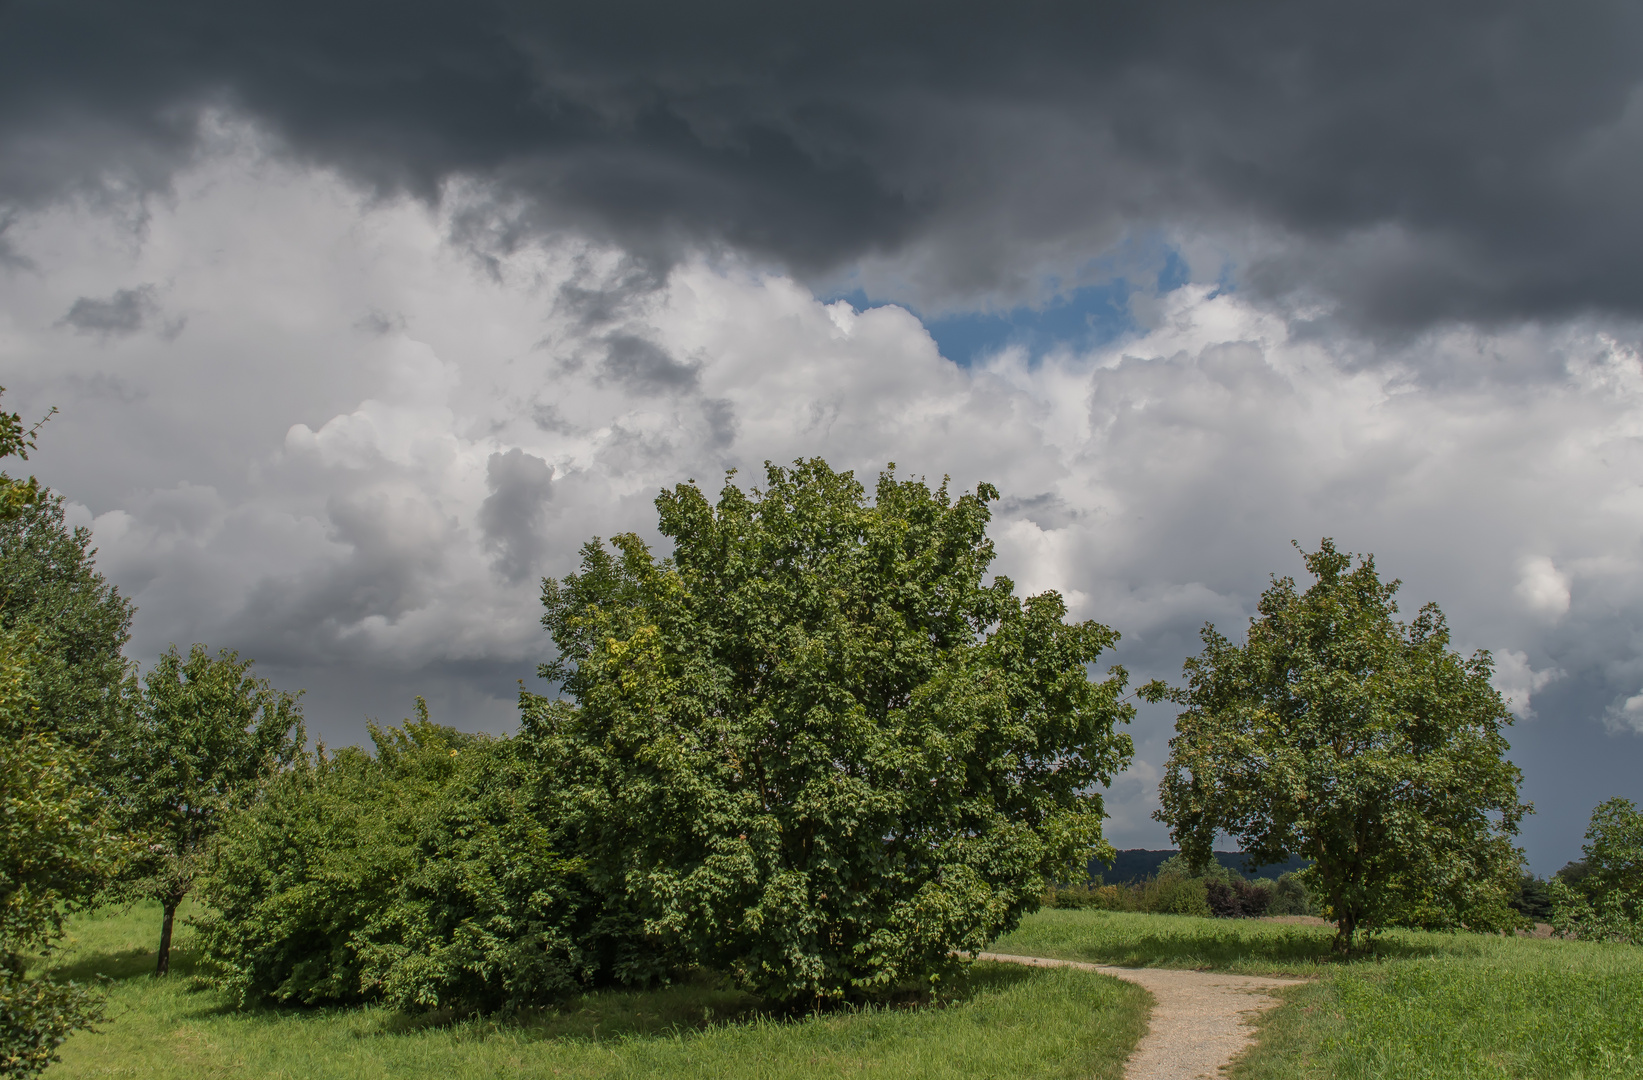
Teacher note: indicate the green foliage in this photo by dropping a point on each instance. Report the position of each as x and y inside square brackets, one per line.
[1168, 893]
[1357, 741]
[1001, 1021]
[201, 742]
[76, 621]
[16, 441]
[1289, 897]
[56, 851]
[442, 873]
[828, 752]
[1602, 898]
[1237, 898]
[1534, 898]
[1176, 891]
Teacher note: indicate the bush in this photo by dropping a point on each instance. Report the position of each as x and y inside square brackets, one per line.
[1218, 892]
[1166, 894]
[36, 1015]
[1289, 897]
[442, 873]
[1237, 899]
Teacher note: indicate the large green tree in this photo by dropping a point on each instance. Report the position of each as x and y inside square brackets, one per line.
[830, 752]
[202, 741]
[1340, 734]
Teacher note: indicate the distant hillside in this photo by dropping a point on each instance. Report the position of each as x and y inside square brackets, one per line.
[1137, 863]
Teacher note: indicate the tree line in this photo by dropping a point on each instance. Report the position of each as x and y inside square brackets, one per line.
[818, 748]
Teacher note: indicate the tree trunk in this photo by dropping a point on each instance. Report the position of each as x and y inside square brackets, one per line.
[162, 966]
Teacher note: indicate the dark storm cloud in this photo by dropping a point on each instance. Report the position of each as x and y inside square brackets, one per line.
[1408, 162]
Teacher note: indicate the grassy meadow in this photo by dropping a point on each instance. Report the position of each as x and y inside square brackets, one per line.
[1439, 1006]
[1006, 1022]
[1450, 1006]
[1486, 1007]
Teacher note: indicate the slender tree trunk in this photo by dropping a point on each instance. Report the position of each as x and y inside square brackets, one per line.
[163, 965]
[1345, 925]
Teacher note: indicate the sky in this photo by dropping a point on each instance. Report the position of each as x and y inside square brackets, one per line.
[362, 318]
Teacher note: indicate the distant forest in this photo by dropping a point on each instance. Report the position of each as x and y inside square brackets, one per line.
[1138, 863]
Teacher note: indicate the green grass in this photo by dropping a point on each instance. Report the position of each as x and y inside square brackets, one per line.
[1449, 1006]
[1177, 941]
[1005, 1022]
[1547, 1010]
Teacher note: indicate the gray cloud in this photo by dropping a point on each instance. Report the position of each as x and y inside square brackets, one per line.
[511, 515]
[644, 366]
[1395, 164]
[121, 315]
[721, 421]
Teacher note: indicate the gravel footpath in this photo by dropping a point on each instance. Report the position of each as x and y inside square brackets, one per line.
[1200, 1020]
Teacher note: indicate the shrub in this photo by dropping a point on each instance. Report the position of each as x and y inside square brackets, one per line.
[1166, 894]
[1289, 897]
[444, 872]
[1237, 899]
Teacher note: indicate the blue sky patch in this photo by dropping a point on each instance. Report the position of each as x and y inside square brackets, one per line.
[1083, 318]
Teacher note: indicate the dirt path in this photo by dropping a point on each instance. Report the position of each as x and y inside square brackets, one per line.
[1200, 1021]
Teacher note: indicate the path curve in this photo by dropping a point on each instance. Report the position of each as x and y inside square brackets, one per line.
[1199, 1022]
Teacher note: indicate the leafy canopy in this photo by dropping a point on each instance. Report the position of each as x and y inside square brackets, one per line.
[1604, 899]
[57, 847]
[1340, 734]
[16, 441]
[202, 741]
[51, 594]
[439, 872]
[57, 850]
[827, 751]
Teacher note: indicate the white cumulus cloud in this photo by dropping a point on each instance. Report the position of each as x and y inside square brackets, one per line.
[1543, 588]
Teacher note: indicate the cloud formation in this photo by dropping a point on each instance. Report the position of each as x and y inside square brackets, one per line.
[1393, 166]
[373, 438]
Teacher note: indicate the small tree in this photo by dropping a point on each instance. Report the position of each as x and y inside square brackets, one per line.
[1602, 899]
[1342, 735]
[203, 739]
[830, 753]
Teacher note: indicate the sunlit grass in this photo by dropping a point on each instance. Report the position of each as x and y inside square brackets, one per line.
[1531, 1009]
[1426, 1005]
[1006, 1022]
